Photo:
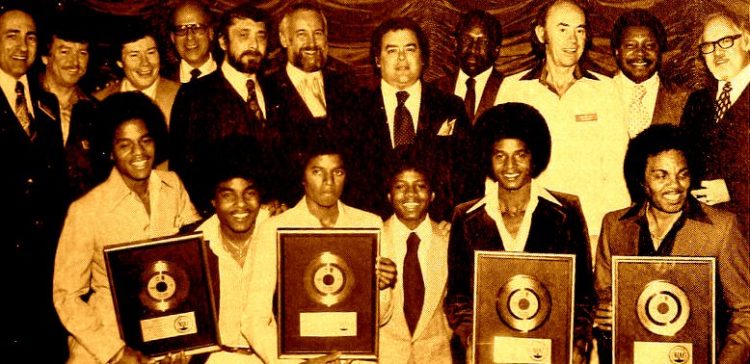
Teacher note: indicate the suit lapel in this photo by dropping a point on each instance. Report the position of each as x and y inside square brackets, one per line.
[425, 112]
[435, 276]
[489, 94]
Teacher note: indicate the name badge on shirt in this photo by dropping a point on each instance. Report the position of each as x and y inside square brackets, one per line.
[586, 117]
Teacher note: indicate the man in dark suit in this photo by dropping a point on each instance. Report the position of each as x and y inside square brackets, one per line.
[192, 33]
[314, 88]
[717, 116]
[478, 39]
[666, 221]
[33, 190]
[638, 41]
[66, 57]
[230, 101]
[404, 110]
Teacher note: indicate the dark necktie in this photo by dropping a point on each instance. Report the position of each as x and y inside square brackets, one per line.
[413, 283]
[194, 74]
[471, 97]
[403, 126]
[22, 111]
[722, 104]
[252, 101]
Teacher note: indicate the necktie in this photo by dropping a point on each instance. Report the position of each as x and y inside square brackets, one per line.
[252, 101]
[403, 126]
[314, 96]
[470, 99]
[22, 111]
[722, 104]
[639, 118]
[194, 74]
[413, 283]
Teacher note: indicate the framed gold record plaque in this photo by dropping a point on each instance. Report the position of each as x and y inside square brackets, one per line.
[664, 310]
[327, 292]
[523, 307]
[163, 296]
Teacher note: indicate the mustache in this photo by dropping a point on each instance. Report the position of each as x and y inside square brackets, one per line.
[310, 48]
[252, 53]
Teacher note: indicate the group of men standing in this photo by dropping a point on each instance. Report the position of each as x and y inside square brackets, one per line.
[48, 134]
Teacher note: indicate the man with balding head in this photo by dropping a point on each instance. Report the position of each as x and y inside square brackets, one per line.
[192, 33]
[717, 116]
[589, 136]
[34, 195]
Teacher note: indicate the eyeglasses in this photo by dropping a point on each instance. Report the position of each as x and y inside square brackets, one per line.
[724, 43]
[183, 30]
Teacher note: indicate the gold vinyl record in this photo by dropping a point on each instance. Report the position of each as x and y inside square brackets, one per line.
[663, 308]
[165, 285]
[523, 303]
[328, 279]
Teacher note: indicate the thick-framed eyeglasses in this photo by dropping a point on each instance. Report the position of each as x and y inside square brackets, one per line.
[724, 43]
[183, 30]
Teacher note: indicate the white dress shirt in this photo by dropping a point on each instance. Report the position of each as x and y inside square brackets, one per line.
[391, 102]
[8, 84]
[627, 90]
[303, 82]
[206, 68]
[739, 83]
[480, 81]
[149, 91]
[238, 80]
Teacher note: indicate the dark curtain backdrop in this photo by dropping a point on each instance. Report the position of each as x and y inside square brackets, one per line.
[351, 23]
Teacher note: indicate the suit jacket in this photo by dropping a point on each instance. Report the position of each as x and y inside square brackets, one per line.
[670, 101]
[554, 229]
[724, 145]
[205, 112]
[487, 100]
[296, 122]
[34, 194]
[166, 91]
[81, 163]
[430, 343]
[707, 232]
[371, 150]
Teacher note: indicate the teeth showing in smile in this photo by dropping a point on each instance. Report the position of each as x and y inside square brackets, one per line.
[140, 164]
[241, 215]
[511, 175]
[411, 205]
[672, 196]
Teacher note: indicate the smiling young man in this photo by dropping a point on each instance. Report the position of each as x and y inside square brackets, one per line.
[667, 221]
[717, 115]
[134, 203]
[418, 331]
[638, 41]
[516, 214]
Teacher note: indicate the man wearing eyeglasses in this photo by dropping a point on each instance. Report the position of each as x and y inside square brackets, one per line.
[192, 34]
[717, 116]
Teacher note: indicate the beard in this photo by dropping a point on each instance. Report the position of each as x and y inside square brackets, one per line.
[309, 63]
[246, 62]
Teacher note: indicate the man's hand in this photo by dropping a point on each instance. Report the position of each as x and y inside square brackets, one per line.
[174, 358]
[712, 192]
[131, 356]
[274, 207]
[386, 271]
[603, 316]
[444, 228]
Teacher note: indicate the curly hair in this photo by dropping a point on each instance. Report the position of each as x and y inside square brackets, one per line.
[513, 120]
[651, 142]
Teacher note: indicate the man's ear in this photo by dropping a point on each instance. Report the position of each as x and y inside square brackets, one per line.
[171, 37]
[432, 197]
[213, 203]
[283, 39]
[223, 42]
[539, 31]
[45, 60]
[495, 53]
[390, 198]
[119, 64]
[377, 61]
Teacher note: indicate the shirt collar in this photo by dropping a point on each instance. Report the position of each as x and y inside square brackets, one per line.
[539, 72]
[206, 68]
[481, 79]
[413, 89]
[149, 91]
[8, 85]
[298, 76]
[237, 79]
[653, 81]
[117, 190]
[491, 199]
[424, 230]
[739, 83]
